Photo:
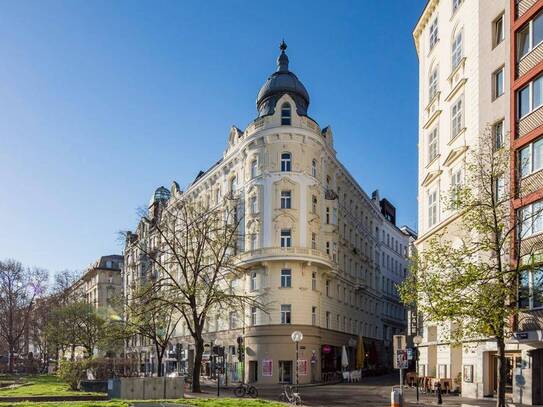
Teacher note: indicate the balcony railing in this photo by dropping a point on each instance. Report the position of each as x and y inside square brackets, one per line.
[278, 252]
[530, 320]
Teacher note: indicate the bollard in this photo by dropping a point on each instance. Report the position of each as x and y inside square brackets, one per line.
[396, 399]
[438, 393]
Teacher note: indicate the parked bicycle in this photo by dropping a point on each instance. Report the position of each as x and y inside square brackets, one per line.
[290, 396]
[245, 390]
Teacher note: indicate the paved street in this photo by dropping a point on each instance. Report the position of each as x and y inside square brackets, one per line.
[373, 392]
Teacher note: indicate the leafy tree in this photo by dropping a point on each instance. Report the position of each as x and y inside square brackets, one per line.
[469, 277]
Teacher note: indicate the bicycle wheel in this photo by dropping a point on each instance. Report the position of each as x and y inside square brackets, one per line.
[239, 391]
[253, 392]
[297, 400]
[283, 398]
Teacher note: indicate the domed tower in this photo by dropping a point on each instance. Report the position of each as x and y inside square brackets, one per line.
[278, 83]
[158, 199]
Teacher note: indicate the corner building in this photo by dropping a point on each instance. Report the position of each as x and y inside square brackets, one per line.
[313, 245]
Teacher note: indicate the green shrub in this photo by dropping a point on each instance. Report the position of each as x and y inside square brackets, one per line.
[72, 372]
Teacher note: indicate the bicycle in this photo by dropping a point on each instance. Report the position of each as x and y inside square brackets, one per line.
[245, 389]
[290, 396]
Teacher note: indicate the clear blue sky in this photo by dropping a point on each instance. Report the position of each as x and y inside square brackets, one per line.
[103, 101]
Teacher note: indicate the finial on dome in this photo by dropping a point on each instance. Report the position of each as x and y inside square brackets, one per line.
[282, 61]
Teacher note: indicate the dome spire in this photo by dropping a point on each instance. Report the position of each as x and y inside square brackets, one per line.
[282, 61]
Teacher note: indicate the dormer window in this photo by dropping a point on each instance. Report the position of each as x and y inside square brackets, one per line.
[286, 162]
[285, 114]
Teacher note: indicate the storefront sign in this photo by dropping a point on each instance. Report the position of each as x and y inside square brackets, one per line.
[326, 349]
[520, 335]
[267, 367]
[302, 367]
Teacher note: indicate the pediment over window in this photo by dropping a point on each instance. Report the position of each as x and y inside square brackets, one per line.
[454, 154]
[430, 177]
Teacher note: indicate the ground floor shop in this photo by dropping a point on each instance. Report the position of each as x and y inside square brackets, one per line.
[473, 368]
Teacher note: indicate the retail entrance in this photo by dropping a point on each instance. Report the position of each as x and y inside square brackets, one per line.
[512, 360]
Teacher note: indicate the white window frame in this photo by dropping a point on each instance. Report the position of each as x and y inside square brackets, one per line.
[433, 83]
[457, 49]
[254, 168]
[253, 281]
[531, 45]
[313, 315]
[499, 137]
[286, 314]
[314, 168]
[253, 316]
[433, 34]
[531, 224]
[286, 199]
[286, 278]
[532, 107]
[499, 29]
[456, 5]
[498, 90]
[432, 207]
[433, 144]
[314, 280]
[457, 117]
[286, 162]
[529, 165]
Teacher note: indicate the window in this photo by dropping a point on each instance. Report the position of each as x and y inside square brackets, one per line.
[286, 199]
[530, 36]
[499, 30]
[286, 310]
[530, 97]
[499, 189]
[497, 131]
[457, 52]
[314, 241]
[328, 248]
[456, 4]
[334, 216]
[314, 204]
[531, 158]
[456, 183]
[327, 284]
[497, 83]
[314, 168]
[286, 238]
[254, 168]
[327, 319]
[457, 118]
[314, 280]
[252, 205]
[531, 217]
[531, 289]
[286, 162]
[433, 36]
[233, 185]
[313, 315]
[327, 215]
[232, 320]
[253, 316]
[432, 208]
[285, 114]
[286, 278]
[253, 281]
[433, 84]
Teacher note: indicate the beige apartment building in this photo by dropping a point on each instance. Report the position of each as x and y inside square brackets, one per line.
[315, 245]
[478, 63]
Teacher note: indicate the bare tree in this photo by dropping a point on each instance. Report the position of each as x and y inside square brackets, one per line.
[19, 288]
[193, 252]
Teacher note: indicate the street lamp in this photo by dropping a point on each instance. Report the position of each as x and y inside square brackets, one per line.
[417, 340]
[218, 345]
[297, 337]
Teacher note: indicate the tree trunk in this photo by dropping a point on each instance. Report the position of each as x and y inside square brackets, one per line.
[159, 356]
[199, 351]
[10, 359]
[72, 355]
[502, 373]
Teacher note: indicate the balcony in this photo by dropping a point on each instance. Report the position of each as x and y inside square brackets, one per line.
[530, 320]
[523, 6]
[530, 122]
[285, 253]
[530, 60]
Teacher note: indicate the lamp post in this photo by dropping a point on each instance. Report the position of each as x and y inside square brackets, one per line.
[218, 345]
[297, 337]
[417, 340]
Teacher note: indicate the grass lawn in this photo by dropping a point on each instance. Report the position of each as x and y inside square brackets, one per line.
[113, 403]
[41, 385]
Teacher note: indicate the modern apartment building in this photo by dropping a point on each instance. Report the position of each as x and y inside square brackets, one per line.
[479, 62]
[317, 247]
[526, 83]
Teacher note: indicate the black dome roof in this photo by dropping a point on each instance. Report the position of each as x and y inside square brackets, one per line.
[280, 82]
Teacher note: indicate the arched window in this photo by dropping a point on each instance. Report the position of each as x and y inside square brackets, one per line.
[253, 168]
[233, 185]
[285, 114]
[286, 162]
[314, 168]
[457, 49]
